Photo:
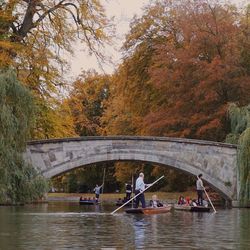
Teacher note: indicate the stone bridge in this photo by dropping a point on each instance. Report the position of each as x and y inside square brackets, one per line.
[216, 161]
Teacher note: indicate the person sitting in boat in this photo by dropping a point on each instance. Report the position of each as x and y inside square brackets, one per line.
[124, 199]
[181, 200]
[155, 202]
[193, 203]
[128, 187]
[120, 201]
[205, 203]
[81, 198]
[188, 201]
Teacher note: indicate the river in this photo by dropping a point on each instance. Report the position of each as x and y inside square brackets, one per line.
[64, 225]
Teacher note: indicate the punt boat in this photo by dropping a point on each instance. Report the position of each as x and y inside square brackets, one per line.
[149, 210]
[192, 208]
[88, 202]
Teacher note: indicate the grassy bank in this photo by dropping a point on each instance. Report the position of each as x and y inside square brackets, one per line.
[164, 196]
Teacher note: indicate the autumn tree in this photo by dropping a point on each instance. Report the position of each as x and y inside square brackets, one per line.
[184, 62]
[86, 102]
[54, 121]
[86, 105]
[131, 94]
[196, 67]
[33, 35]
[244, 39]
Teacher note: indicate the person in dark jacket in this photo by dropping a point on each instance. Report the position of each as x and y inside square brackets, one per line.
[128, 187]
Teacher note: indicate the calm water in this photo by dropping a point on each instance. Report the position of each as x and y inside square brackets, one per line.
[70, 226]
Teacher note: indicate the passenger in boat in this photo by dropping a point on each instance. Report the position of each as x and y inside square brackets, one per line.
[140, 187]
[187, 201]
[128, 187]
[124, 199]
[199, 188]
[119, 201]
[81, 198]
[97, 191]
[193, 203]
[205, 203]
[181, 200]
[155, 202]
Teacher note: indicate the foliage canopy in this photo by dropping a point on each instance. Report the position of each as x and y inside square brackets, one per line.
[19, 182]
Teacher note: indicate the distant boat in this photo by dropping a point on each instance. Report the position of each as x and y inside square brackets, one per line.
[192, 208]
[88, 202]
[149, 210]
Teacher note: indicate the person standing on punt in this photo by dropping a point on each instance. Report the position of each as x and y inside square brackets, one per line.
[128, 187]
[200, 188]
[97, 191]
[140, 187]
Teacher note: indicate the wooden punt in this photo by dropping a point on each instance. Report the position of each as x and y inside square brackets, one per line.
[88, 202]
[200, 209]
[192, 208]
[182, 207]
[149, 210]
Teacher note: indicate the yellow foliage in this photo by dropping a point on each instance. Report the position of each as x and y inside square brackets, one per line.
[32, 41]
[86, 102]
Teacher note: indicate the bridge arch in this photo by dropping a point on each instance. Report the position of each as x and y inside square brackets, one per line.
[216, 161]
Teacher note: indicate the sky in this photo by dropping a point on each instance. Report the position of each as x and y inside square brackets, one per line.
[123, 11]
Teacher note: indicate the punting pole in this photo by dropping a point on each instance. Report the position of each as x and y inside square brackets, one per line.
[137, 195]
[132, 185]
[103, 178]
[209, 200]
[208, 197]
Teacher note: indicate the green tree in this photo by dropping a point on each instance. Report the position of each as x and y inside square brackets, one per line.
[240, 134]
[19, 182]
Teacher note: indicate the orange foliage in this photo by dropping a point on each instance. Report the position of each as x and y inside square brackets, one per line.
[86, 101]
[199, 74]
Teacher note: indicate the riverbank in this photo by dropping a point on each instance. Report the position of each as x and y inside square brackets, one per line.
[110, 198]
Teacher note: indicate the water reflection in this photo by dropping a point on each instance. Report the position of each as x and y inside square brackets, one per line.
[68, 225]
[243, 228]
[139, 224]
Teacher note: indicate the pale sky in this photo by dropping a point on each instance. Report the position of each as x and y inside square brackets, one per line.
[122, 11]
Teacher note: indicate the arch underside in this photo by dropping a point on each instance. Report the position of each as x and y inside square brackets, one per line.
[159, 159]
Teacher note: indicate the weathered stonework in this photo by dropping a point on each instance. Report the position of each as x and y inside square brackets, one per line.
[216, 161]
